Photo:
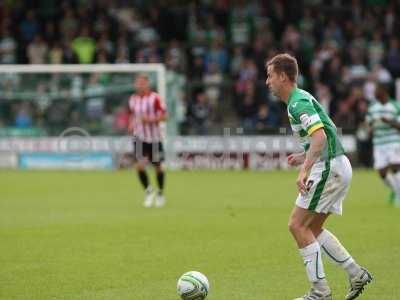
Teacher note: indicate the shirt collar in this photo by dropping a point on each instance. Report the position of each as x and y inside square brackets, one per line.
[291, 94]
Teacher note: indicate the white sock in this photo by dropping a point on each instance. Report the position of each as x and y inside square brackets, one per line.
[331, 246]
[314, 268]
[396, 183]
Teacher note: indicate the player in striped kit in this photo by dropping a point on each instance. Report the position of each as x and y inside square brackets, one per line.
[323, 182]
[383, 117]
[148, 112]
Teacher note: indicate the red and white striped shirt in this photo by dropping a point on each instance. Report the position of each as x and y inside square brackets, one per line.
[148, 105]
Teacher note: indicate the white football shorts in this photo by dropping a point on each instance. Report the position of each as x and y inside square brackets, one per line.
[327, 184]
[385, 155]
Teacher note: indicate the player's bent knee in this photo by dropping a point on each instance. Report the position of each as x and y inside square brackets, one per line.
[383, 172]
[140, 166]
[316, 230]
[295, 227]
[158, 167]
[395, 168]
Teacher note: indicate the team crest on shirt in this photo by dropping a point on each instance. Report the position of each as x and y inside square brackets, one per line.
[305, 120]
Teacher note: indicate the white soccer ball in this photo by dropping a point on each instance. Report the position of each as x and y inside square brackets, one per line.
[193, 286]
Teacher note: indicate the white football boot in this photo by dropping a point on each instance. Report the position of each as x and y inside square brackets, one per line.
[314, 294]
[160, 200]
[358, 283]
[149, 197]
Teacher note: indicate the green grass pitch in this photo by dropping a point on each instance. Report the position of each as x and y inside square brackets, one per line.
[85, 235]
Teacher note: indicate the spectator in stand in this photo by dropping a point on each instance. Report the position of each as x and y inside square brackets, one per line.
[247, 107]
[146, 34]
[197, 69]
[55, 116]
[23, 116]
[8, 47]
[381, 74]
[96, 102]
[84, 46]
[147, 52]
[102, 58]
[324, 96]
[212, 81]
[50, 32]
[69, 24]
[355, 44]
[106, 46]
[69, 56]
[217, 54]
[393, 57]
[241, 24]
[37, 51]
[265, 119]
[259, 51]
[199, 112]
[176, 55]
[237, 61]
[123, 49]
[102, 23]
[331, 71]
[247, 73]
[213, 32]
[291, 39]
[357, 70]
[344, 117]
[56, 53]
[376, 49]
[29, 27]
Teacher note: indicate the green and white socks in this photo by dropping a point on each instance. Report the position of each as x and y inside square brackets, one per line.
[314, 268]
[393, 181]
[396, 177]
[328, 244]
[334, 250]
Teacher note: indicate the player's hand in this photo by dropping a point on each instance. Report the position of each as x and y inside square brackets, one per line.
[387, 120]
[130, 128]
[145, 120]
[296, 159]
[302, 182]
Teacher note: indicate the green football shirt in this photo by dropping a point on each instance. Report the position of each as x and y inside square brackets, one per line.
[383, 133]
[306, 115]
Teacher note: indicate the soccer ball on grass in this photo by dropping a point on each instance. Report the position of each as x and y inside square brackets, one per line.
[193, 286]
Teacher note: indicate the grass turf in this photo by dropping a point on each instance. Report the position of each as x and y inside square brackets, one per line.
[85, 235]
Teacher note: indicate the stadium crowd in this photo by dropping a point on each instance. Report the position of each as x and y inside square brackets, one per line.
[215, 52]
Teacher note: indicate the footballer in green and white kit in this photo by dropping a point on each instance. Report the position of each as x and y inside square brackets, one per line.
[330, 176]
[383, 117]
[323, 181]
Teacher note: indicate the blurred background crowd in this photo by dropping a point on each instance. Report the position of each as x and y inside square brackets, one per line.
[215, 52]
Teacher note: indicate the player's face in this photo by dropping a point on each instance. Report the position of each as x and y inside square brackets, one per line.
[142, 84]
[381, 95]
[273, 80]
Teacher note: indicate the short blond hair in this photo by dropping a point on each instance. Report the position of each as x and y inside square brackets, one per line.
[142, 75]
[285, 63]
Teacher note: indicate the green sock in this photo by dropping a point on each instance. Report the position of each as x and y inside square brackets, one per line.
[392, 197]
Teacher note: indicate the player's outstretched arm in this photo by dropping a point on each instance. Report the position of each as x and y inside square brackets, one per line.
[317, 144]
